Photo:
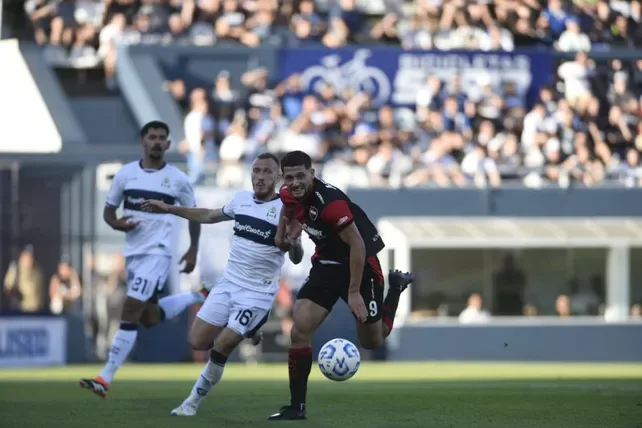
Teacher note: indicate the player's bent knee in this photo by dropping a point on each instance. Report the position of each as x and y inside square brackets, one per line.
[300, 338]
[200, 343]
[227, 341]
[132, 310]
[151, 316]
[202, 335]
[307, 317]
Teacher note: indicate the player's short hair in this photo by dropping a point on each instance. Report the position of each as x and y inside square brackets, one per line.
[296, 158]
[268, 155]
[154, 124]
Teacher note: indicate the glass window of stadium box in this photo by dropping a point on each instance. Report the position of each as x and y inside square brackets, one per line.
[517, 282]
[511, 267]
[510, 282]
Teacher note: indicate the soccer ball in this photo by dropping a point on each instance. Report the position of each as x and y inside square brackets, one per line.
[339, 360]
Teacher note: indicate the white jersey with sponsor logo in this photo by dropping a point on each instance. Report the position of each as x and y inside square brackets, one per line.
[255, 261]
[131, 186]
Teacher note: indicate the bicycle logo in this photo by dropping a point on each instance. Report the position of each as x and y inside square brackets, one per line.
[354, 74]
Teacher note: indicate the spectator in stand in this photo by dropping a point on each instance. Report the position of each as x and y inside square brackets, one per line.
[563, 306]
[24, 283]
[200, 130]
[583, 301]
[110, 37]
[474, 313]
[556, 16]
[64, 289]
[225, 103]
[55, 18]
[573, 40]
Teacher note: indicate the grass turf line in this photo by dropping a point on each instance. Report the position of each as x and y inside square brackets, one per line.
[382, 395]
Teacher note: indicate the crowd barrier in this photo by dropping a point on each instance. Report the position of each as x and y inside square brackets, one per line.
[32, 341]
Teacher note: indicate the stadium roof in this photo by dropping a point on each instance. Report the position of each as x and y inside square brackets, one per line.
[495, 232]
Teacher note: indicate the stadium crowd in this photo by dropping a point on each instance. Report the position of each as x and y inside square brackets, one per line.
[83, 25]
[584, 129]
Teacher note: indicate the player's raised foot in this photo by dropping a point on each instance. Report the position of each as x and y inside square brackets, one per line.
[288, 413]
[97, 385]
[400, 280]
[185, 409]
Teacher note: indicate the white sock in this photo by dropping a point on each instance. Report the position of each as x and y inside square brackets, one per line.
[120, 348]
[177, 303]
[211, 374]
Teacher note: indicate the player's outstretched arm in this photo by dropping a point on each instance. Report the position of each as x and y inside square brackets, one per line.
[197, 215]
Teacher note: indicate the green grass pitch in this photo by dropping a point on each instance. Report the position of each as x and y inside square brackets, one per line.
[382, 395]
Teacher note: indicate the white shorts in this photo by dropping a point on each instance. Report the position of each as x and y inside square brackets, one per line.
[238, 308]
[146, 275]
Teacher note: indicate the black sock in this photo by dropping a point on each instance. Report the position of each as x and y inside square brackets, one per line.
[217, 358]
[299, 366]
[390, 304]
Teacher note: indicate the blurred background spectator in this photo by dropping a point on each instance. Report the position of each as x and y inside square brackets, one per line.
[64, 289]
[24, 284]
[474, 312]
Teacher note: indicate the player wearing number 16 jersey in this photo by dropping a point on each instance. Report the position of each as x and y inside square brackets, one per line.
[344, 266]
[240, 302]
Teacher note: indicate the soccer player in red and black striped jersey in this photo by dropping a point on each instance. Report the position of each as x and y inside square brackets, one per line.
[344, 266]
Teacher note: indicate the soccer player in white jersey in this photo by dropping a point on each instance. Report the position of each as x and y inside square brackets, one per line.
[241, 300]
[148, 245]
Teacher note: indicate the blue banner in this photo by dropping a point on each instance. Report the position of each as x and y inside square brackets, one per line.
[395, 76]
[28, 341]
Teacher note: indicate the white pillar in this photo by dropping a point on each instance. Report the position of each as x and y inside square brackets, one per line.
[1, 6]
[617, 283]
[386, 265]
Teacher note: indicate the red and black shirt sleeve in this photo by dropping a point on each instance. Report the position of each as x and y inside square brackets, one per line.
[287, 198]
[337, 214]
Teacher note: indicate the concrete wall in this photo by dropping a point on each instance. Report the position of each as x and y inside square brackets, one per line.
[592, 342]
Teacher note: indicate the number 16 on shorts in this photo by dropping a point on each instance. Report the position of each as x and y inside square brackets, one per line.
[247, 321]
[244, 317]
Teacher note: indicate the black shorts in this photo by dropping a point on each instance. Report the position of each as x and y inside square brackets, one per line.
[327, 283]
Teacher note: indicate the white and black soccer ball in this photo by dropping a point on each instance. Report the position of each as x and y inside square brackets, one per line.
[339, 360]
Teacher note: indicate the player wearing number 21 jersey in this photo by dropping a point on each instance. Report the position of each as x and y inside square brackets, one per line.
[148, 252]
[241, 300]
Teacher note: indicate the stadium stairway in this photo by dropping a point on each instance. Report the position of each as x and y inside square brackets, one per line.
[103, 115]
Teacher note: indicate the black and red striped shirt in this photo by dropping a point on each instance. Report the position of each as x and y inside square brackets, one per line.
[325, 213]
